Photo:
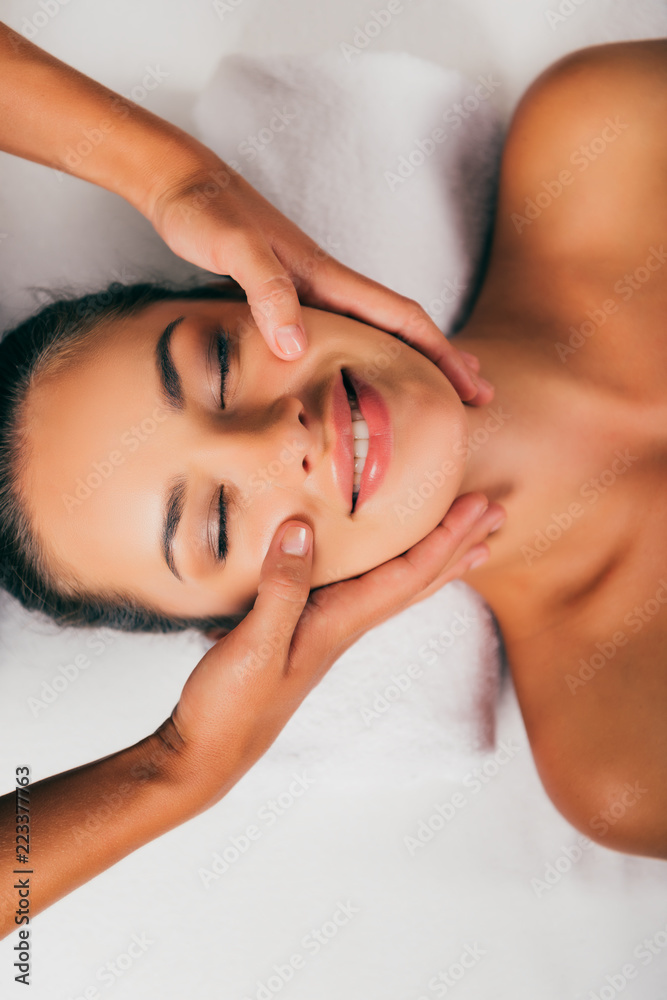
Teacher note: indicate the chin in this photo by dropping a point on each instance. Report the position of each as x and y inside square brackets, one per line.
[398, 522]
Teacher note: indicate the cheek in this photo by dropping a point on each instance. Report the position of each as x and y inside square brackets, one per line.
[431, 470]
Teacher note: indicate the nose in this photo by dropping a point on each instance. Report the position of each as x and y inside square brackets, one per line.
[272, 447]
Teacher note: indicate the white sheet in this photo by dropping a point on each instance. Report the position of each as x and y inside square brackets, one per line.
[470, 886]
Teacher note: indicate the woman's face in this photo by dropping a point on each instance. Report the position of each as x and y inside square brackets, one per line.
[121, 456]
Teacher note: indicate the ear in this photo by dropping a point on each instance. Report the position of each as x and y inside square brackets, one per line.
[213, 634]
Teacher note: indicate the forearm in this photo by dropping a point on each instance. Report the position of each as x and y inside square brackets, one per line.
[85, 820]
[54, 115]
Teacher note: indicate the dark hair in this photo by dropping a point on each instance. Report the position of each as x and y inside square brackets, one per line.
[38, 347]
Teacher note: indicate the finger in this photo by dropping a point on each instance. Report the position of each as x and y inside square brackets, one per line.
[473, 551]
[272, 297]
[347, 609]
[471, 359]
[262, 640]
[424, 336]
[470, 553]
[341, 289]
[474, 558]
[492, 519]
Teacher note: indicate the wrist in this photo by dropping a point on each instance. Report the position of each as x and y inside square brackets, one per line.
[195, 777]
[160, 159]
[53, 114]
[166, 760]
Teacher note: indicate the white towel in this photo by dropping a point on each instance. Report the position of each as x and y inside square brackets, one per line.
[389, 162]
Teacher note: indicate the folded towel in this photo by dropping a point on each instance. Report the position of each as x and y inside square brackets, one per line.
[389, 162]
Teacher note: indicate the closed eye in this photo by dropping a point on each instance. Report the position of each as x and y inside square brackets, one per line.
[222, 526]
[222, 345]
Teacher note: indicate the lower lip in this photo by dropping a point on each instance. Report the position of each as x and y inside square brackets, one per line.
[375, 412]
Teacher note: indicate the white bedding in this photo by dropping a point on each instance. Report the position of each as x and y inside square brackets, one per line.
[494, 881]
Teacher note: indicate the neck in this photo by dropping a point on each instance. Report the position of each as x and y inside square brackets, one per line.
[511, 441]
[496, 438]
[504, 455]
[545, 434]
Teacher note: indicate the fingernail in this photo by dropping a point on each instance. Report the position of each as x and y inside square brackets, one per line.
[295, 541]
[479, 560]
[497, 523]
[470, 358]
[291, 339]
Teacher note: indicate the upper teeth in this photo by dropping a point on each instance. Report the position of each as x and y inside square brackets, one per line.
[361, 435]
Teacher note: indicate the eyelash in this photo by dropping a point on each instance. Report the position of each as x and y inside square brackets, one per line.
[222, 347]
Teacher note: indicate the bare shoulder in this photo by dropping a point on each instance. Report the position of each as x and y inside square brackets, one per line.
[594, 702]
[584, 168]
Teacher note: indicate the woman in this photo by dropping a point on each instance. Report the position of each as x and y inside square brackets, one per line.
[249, 684]
[572, 447]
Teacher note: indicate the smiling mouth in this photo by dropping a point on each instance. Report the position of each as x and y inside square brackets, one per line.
[361, 436]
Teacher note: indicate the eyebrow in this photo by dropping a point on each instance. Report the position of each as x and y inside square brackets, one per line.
[170, 382]
[172, 394]
[171, 390]
[173, 511]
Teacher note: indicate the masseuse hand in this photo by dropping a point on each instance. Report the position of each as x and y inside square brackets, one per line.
[205, 211]
[215, 219]
[237, 699]
[246, 687]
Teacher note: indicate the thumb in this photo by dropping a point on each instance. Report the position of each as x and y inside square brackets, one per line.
[261, 642]
[272, 298]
